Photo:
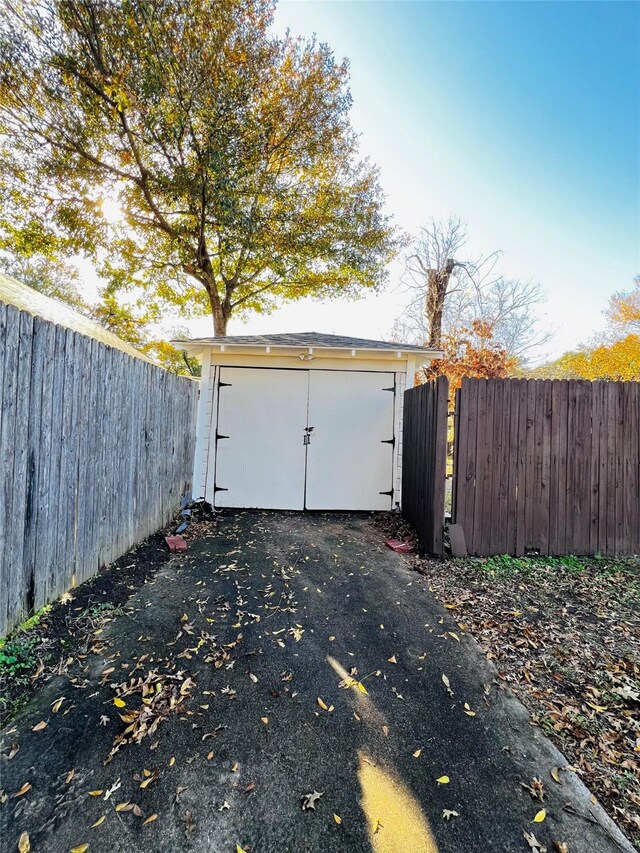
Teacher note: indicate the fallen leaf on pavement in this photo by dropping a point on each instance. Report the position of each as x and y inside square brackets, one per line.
[322, 704]
[535, 788]
[119, 703]
[540, 816]
[26, 787]
[555, 775]
[443, 780]
[309, 800]
[447, 814]
[416, 754]
[100, 821]
[446, 683]
[392, 659]
[150, 819]
[24, 845]
[533, 842]
[40, 726]
[79, 849]
[560, 847]
[337, 818]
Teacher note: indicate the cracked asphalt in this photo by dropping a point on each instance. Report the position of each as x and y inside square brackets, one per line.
[285, 655]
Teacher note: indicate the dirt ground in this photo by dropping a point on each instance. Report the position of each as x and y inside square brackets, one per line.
[564, 635]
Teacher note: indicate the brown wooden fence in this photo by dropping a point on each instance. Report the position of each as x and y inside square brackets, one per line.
[424, 459]
[96, 449]
[548, 467]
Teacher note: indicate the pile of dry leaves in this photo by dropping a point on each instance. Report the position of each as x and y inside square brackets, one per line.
[564, 634]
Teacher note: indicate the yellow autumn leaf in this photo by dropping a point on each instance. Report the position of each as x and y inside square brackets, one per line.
[122, 806]
[540, 816]
[264, 720]
[57, 704]
[23, 790]
[172, 761]
[40, 726]
[337, 818]
[97, 793]
[555, 774]
[80, 849]
[454, 635]
[119, 702]
[362, 688]
[443, 780]
[239, 849]
[392, 659]
[322, 704]
[24, 844]
[100, 821]
[416, 754]
[150, 819]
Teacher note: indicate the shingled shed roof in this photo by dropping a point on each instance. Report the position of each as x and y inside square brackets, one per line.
[13, 292]
[314, 340]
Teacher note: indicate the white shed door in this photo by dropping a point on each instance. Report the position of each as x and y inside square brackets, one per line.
[260, 454]
[350, 454]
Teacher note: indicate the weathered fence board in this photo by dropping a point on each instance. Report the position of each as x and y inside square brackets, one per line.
[424, 460]
[96, 449]
[548, 467]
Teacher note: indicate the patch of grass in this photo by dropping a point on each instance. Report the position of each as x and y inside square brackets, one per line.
[27, 625]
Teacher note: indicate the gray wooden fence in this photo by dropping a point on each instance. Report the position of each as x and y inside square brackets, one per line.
[96, 449]
[547, 467]
[424, 459]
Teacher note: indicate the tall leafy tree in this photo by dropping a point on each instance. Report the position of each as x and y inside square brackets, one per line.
[228, 151]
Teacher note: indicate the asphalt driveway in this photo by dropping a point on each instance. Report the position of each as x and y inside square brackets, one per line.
[284, 656]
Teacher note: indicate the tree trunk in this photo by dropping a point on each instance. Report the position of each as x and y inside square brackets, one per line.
[220, 319]
[437, 287]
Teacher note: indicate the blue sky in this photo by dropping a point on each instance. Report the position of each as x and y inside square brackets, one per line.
[523, 118]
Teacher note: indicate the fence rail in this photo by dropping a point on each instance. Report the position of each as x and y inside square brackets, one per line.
[96, 449]
[548, 467]
[424, 460]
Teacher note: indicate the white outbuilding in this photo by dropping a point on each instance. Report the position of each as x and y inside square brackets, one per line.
[301, 421]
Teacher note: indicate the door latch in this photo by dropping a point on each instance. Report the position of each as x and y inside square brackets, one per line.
[307, 436]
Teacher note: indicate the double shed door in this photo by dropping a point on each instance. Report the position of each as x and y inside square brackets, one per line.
[304, 439]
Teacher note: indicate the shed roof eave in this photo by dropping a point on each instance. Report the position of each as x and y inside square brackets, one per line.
[198, 347]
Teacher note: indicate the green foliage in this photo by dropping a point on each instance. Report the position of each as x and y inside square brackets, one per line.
[17, 657]
[503, 566]
[48, 275]
[228, 150]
